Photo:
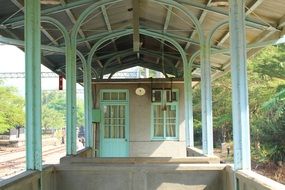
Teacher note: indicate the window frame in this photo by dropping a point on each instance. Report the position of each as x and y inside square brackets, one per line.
[102, 91]
[173, 103]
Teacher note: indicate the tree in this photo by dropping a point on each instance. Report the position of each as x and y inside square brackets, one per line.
[11, 108]
[80, 113]
[266, 74]
[221, 105]
[272, 129]
[54, 110]
[268, 104]
[52, 119]
[270, 62]
[55, 101]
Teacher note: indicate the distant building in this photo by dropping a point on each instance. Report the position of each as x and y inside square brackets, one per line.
[13, 137]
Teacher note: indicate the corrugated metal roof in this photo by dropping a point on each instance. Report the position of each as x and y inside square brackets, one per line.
[265, 20]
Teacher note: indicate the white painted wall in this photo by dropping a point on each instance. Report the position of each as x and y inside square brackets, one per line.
[141, 144]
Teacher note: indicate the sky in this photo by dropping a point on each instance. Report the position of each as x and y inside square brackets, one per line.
[12, 59]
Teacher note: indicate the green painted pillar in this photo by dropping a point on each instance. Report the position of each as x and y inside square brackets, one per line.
[71, 119]
[89, 103]
[33, 85]
[240, 107]
[189, 130]
[87, 79]
[206, 100]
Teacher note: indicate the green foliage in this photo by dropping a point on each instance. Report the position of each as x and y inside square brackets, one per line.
[272, 130]
[197, 132]
[266, 98]
[52, 119]
[55, 101]
[271, 62]
[221, 90]
[11, 109]
[80, 113]
[266, 89]
[54, 110]
[261, 154]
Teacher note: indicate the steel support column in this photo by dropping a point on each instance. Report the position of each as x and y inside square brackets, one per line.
[87, 80]
[71, 119]
[189, 129]
[71, 75]
[33, 85]
[206, 100]
[89, 103]
[240, 106]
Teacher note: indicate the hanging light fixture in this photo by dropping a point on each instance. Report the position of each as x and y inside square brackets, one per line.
[50, 2]
[219, 3]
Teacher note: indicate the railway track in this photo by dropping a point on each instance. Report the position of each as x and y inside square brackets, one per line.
[14, 162]
[2, 153]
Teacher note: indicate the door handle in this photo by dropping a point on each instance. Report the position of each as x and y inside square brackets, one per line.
[126, 140]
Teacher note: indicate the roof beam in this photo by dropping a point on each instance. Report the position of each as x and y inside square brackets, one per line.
[158, 53]
[130, 56]
[258, 43]
[45, 32]
[281, 23]
[250, 21]
[165, 27]
[97, 36]
[167, 19]
[53, 10]
[140, 63]
[73, 20]
[136, 23]
[79, 3]
[107, 22]
[80, 31]
[125, 54]
[153, 52]
[201, 20]
[180, 38]
[94, 37]
[101, 35]
[106, 18]
[251, 8]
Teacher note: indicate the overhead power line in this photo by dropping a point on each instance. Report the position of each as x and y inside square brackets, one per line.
[13, 75]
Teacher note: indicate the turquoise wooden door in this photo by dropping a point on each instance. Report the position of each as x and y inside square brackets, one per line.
[114, 127]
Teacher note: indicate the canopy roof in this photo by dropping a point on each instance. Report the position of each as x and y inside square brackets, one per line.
[135, 19]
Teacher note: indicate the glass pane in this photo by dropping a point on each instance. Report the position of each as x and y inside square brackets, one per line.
[122, 96]
[157, 121]
[156, 95]
[168, 96]
[114, 95]
[174, 97]
[114, 121]
[121, 121]
[106, 96]
[107, 131]
[170, 121]
[158, 130]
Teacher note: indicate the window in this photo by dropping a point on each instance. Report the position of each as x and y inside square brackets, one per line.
[114, 121]
[114, 95]
[164, 114]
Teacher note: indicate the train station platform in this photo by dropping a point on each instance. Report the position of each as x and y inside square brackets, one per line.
[191, 173]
